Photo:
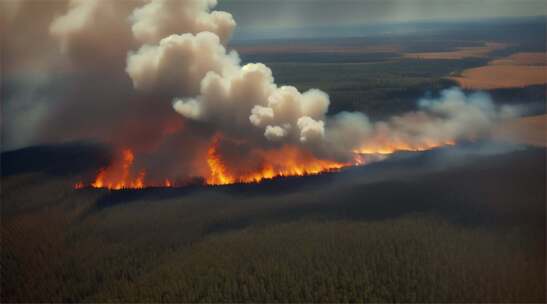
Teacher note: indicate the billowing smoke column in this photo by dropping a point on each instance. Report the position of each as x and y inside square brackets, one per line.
[245, 101]
[235, 124]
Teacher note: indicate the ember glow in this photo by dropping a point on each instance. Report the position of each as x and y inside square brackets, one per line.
[286, 161]
[395, 146]
[282, 162]
[120, 175]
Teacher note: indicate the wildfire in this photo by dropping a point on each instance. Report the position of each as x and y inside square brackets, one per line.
[119, 174]
[392, 147]
[287, 161]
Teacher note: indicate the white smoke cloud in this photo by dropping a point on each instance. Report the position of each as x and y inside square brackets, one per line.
[451, 117]
[105, 29]
[180, 61]
[310, 129]
[94, 29]
[226, 100]
[247, 97]
[161, 18]
[250, 98]
[261, 116]
[275, 133]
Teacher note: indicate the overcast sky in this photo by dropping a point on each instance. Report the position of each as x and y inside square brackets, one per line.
[279, 14]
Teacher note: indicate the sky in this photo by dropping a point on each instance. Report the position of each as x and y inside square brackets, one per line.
[279, 15]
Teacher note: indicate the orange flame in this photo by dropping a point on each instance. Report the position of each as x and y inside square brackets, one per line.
[394, 146]
[219, 173]
[282, 162]
[287, 161]
[118, 175]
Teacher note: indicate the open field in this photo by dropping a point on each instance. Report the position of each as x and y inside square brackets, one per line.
[524, 58]
[518, 70]
[502, 76]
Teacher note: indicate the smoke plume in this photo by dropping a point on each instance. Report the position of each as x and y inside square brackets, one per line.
[157, 77]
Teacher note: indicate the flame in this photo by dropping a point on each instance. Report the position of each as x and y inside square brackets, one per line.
[291, 161]
[286, 161]
[386, 148]
[219, 173]
[281, 162]
[119, 174]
